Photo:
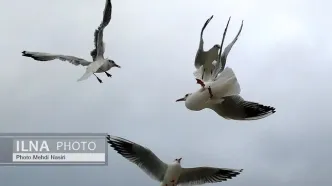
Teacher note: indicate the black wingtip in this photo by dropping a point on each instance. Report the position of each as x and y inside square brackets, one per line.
[268, 109]
[108, 137]
[272, 109]
[229, 174]
[26, 54]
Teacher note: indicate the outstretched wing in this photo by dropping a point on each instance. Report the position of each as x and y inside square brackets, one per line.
[199, 58]
[220, 65]
[229, 47]
[98, 51]
[139, 155]
[39, 56]
[236, 108]
[202, 175]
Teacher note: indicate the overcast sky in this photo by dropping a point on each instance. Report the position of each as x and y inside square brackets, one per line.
[282, 58]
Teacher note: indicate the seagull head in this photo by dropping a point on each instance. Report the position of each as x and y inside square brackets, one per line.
[113, 64]
[184, 98]
[178, 160]
[216, 46]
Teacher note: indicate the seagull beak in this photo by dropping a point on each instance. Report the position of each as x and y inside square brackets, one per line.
[117, 65]
[181, 99]
[180, 159]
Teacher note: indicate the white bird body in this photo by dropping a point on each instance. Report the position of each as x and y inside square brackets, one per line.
[172, 174]
[105, 67]
[225, 85]
[207, 58]
[100, 65]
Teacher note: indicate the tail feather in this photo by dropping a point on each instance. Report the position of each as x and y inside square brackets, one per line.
[92, 68]
[226, 84]
[85, 76]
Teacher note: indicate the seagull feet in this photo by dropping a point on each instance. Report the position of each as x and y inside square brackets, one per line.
[100, 81]
[108, 75]
[198, 81]
[173, 182]
[210, 92]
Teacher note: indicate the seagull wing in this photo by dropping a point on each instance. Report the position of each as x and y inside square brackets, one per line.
[98, 51]
[39, 56]
[221, 63]
[141, 156]
[202, 175]
[199, 58]
[223, 56]
[236, 108]
[218, 65]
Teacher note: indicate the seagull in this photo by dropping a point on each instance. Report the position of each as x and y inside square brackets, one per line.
[232, 107]
[204, 59]
[169, 174]
[99, 64]
[213, 92]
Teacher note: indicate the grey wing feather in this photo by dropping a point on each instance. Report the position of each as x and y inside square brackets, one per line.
[98, 34]
[107, 14]
[139, 155]
[220, 65]
[225, 53]
[236, 108]
[199, 58]
[202, 175]
[39, 56]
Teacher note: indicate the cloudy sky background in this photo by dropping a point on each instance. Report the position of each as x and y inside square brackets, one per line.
[282, 59]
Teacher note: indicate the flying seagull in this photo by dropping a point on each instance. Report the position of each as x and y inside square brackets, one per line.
[213, 92]
[99, 64]
[168, 174]
[204, 59]
[230, 107]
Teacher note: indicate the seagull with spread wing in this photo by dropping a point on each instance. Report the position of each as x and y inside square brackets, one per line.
[204, 59]
[168, 174]
[229, 107]
[99, 64]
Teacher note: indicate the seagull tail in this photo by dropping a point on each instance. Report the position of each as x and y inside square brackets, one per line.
[227, 84]
[92, 68]
[85, 76]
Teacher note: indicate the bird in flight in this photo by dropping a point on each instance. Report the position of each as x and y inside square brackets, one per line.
[229, 107]
[168, 174]
[204, 59]
[99, 64]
